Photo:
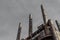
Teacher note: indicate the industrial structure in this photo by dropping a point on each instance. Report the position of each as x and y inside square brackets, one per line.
[46, 31]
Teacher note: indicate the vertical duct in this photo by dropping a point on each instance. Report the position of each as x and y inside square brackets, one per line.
[43, 14]
[19, 32]
[57, 25]
[30, 25]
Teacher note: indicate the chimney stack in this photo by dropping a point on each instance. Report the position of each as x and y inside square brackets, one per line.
[43, 14]
[30, 24]
[19, 32]
[45, 20]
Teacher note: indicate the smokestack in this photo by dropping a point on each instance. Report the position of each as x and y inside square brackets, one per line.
[43, 14]
[19, 32]
[30, 24]
[57, 25]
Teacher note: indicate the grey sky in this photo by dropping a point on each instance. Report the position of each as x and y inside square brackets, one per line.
[14, 11]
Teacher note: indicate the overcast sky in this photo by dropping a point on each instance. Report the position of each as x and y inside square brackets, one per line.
[14, 11]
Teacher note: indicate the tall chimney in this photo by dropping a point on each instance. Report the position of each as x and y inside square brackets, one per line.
[19, 32]
[57, 25]
[43, 14]
[45, 21]
[30, 25]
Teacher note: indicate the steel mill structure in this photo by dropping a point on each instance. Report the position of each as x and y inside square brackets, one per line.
[45, 31]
